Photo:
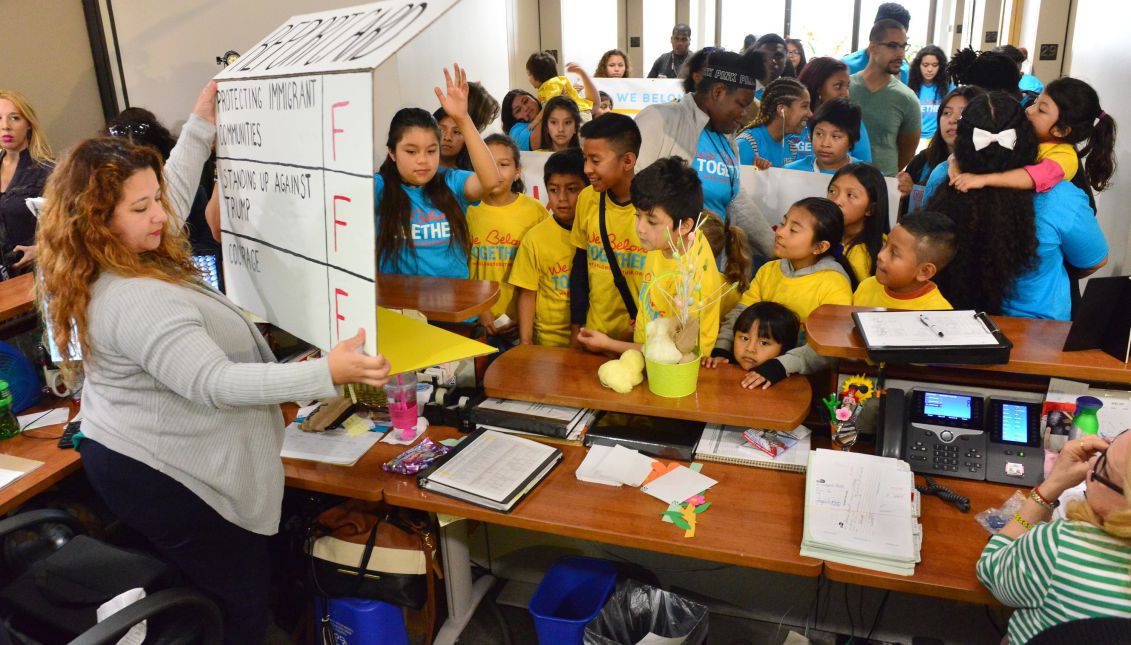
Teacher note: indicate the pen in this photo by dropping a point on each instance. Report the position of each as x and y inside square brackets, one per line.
[927, 321]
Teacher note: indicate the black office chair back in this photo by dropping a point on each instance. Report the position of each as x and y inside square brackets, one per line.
[1093, 631]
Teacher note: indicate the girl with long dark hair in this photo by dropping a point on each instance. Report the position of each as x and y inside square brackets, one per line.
[421, 221]
[928, 81]
[1013, 247]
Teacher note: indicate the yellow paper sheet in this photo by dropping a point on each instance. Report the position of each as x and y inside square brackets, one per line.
[411, 345]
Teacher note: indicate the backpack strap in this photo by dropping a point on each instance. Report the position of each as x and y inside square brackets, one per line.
[614, 265]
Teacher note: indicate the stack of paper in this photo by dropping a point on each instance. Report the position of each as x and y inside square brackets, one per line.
[617, 466]
[860, 510]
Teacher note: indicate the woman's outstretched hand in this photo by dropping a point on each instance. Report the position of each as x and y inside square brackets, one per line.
[349, 365]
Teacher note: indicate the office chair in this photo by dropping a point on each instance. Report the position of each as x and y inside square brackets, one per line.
[1094, 631]
[55, 598]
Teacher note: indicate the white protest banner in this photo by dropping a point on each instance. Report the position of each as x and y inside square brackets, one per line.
[630, 95]
[776, 189]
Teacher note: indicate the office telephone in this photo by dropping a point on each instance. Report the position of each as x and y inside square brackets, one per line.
[958, 434]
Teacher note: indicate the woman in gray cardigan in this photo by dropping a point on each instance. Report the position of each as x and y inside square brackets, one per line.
[180, 400]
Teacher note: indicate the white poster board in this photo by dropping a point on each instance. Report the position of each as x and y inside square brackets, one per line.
[533, 165]
[776, 189]
[295, 150]
[630, 95]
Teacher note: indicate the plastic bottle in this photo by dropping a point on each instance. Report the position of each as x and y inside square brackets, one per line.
[9, 426]
[1084, 421]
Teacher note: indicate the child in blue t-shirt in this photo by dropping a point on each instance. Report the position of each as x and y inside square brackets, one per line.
[785, 109]
[928, 81]
[836, 128]
[421, 225]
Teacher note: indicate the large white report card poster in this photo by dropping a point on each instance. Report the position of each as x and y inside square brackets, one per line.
[295, 166]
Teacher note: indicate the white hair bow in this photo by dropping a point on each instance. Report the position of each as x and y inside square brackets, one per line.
[1005, 138]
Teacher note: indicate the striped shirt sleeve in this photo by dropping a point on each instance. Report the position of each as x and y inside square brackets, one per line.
[1019, 572]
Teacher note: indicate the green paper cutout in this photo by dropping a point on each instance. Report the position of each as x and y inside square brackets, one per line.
[681, 523]
[674, 507]
[702, 507]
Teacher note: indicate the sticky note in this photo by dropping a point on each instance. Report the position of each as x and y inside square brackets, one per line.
[355, 426]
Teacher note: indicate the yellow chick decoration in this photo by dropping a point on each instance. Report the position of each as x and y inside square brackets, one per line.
[624, 373]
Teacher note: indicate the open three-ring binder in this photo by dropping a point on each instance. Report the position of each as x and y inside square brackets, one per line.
[956, 337]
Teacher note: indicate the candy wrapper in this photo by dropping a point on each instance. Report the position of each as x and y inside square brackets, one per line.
[770, 442]
[416, 458]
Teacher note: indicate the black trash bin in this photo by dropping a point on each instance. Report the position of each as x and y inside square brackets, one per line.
[636, 609]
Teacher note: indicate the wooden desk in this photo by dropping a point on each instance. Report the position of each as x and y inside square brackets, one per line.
[952, 542]
[563, 376]
[753, 520]
[755, 517]
[58, 464]
[439, 299]
[17, 296]
[1036, 346]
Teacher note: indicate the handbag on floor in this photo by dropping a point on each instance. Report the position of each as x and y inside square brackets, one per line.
[373, 551]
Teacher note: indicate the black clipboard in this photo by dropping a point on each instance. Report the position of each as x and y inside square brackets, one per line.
[513, 498]
[1103, 318]
[995, 354]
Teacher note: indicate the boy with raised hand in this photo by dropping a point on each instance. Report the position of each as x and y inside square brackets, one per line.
[602, 295]
[916, 250]
[541, 269]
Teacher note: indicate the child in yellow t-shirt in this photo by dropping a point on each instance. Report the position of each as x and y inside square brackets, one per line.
[1067, 113]
[862, 194]
[917, 249]
[668, 197]
[542, 70]
[540, 274]
[807, 275]
[496, 226]
[610, 145]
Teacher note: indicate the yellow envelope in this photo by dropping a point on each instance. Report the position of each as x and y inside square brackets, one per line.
[410, 345]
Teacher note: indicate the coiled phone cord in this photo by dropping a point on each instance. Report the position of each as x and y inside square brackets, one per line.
[945, 494]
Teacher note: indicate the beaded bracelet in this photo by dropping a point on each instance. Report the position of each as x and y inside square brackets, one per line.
[1037, 497]
[1021, 521]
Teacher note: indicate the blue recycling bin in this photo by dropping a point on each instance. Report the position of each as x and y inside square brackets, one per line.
[363, 622]
[570, 595]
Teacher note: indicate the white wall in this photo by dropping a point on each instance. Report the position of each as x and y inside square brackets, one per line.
[1044, 21]
[1102, 59]
[46, 57]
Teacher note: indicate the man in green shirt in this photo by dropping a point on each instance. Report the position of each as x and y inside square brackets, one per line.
[890, 109]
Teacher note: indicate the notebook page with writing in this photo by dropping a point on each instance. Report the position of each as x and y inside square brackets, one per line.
[908, 329]
[493, 466]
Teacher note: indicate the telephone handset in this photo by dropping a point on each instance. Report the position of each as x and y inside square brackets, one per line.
[941, 432]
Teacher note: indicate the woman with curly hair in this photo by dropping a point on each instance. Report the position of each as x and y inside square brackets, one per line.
[181, 393]
[613, 64]
[1013, 247]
